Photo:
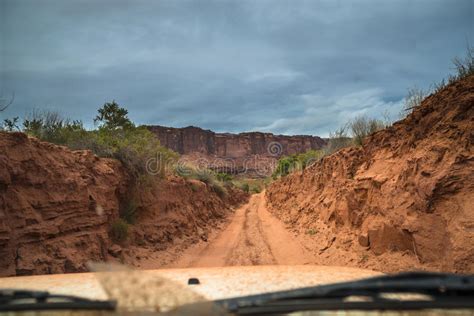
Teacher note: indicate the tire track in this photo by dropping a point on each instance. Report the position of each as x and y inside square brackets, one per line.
[253, 237]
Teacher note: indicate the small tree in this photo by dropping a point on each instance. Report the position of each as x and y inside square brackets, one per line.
[112, 116]
[465, 66]
[413, 99]
[337, 140]
[11, 124]
[284, 167]
[362, 126]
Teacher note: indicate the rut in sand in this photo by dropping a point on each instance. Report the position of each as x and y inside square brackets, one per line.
[253, 237]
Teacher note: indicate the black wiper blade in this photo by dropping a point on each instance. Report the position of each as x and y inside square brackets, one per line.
[25, 300]
[443, 290]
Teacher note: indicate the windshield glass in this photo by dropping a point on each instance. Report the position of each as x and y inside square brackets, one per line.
[223, 149]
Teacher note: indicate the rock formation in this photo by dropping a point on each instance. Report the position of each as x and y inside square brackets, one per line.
[251, 153]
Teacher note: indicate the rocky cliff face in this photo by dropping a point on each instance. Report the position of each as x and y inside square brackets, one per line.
[403, 201]
[253, 153]
[57, 207]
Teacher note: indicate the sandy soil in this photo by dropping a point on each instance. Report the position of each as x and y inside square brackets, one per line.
[253, 237]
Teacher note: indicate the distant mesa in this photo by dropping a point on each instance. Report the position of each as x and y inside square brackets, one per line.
[253, 153]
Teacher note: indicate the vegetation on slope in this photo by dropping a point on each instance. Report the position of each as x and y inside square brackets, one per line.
[115, 136]
[354, 132]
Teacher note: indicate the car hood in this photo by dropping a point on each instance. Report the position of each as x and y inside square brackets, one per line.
[214, 283]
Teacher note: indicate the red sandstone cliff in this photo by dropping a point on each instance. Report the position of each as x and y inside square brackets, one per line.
[253, 153]
[403, 201]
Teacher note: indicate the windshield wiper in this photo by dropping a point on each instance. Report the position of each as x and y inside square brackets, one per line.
[24, 300]
[438, 290]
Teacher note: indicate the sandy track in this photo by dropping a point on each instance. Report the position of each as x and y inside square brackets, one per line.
[253, 237]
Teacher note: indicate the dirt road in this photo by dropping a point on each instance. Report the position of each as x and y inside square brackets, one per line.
[253, 237]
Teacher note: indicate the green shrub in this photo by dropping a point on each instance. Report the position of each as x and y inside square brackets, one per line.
[137, 148]
[205, 176]
[11, 125]
[117, 137]
[224, 177]
[308, 158]
[245, 187]
[217, 182]
[50, 126]
[251, 185]
[184, 171]
[311, 231]
[119, 231]
[256, 189]
[284, 166]
[219, 189]
[288, 164]
[194, 187]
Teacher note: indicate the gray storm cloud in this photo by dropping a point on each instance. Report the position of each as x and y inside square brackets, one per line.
[295, 67]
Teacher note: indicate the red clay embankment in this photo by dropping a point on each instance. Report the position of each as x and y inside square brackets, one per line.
[57, 207]
[402, 201]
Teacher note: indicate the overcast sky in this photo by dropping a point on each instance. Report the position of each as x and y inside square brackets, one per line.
[291, 67]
